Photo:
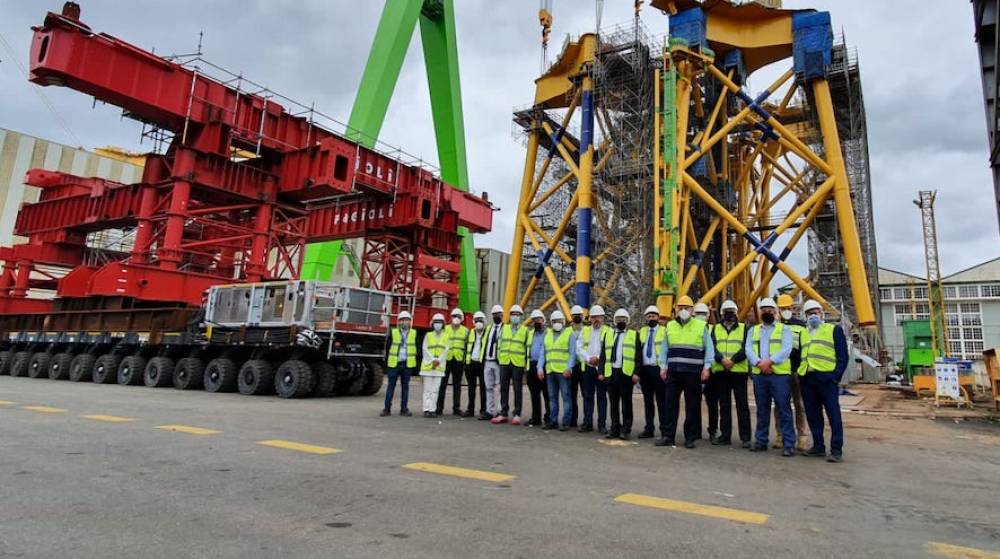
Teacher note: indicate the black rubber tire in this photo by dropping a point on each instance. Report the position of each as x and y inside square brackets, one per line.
[357, 386]
[159, 372]
[106, 369]
[81, 369]
[256, 378]
[131, 369]
[220, 375]
[19, 365]
[326, 379]
[374, 375]
[6, 358]
[294, 379]
[38, 367]
[189, 374]
[59, 366]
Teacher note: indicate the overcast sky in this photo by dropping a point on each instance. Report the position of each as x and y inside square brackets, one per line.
[918, 61]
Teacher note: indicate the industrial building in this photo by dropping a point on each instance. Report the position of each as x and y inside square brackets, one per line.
[972, 308]
[988, 41]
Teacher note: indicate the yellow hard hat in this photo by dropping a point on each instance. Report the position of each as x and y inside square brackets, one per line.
[785, 300]
[685, 301]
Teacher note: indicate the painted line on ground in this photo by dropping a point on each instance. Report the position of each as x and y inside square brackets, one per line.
[6, 403]
[43, 409]
[108, 418]
[723, 513]
[959, 552]
[444, 470]
[190, 430]
[299, 447]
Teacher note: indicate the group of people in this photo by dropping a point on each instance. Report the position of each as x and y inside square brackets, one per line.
[795, 365]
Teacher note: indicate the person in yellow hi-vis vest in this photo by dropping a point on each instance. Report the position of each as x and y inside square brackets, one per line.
[619, 374]
[555, 366]
[824, 359]
[455, 364]
[768, 349]
[433, 365]
[728, 379]
[513, 357]
[686, 356]
[401, 363]
[786, 312]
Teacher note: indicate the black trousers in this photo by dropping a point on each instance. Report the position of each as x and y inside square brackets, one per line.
[654, 397]
[574, 390]
[738, 386]
[474, 377]
[620, 394]
[537, 389]
[509, 373]
[688, 383]
[453, 369]
[720, 405]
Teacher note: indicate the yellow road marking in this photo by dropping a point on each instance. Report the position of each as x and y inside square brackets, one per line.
[693, 508]
[44, 409]
[188, 429]
[301, 447]
[614, 442]
[959, 552]
[459, 472]
[109, 418]
[6, 403]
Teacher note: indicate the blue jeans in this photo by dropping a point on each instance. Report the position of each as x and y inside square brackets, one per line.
[559, 386]
[402, 374]
[779, 389]
[591, 388]
[821, 391]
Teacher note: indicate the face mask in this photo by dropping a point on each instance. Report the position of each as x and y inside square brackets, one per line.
[515, 320]
[404, 325]
[620, 325]
[814, 320]
[577, 319]
[497, 318]
[729, 316]
[684, 315]
[557, 326]
[702, 317]
[438, 326]
[456, 321]
[786, 315]
[479, 326]
[767, 318]
[539, 326]
[652, 322]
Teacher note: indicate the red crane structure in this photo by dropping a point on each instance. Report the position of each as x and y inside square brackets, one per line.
[242, 187]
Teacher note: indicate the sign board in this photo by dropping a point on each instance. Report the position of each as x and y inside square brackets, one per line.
[946, 377]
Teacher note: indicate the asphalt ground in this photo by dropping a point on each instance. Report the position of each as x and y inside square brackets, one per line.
[161, 473]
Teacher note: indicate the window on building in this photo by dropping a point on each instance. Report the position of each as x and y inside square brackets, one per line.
[902, 293]
[991, 290]
[949, 292]
[954, 333]
[951, 319]
[972, 333]
[885, 293]
[920, 292]
[968, 291]
[954, 347]
[969, 308]
[951, 308]
[973, 349]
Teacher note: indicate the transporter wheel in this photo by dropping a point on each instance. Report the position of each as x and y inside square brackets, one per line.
[6, 357]
[220, 375]
[294, 379]
[106, 368]
[256, 377]
[326, 379]
[159, 372]
[374, 376]
[19, 365]
[38, 367]
[59, 366]
[81, 368]
[189, 374]
[131, 369]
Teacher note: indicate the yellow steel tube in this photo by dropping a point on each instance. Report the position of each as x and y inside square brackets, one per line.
[517, 246]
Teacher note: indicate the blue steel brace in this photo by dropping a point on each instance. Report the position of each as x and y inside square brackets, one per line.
[556, 138]
[543, 261]
[763, 247]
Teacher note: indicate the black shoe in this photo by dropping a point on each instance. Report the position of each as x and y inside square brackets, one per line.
[456, 412]
[484, 417]
[428, 414]
[835, 458]
[723, 441]
[646, 434]
[438, 412]
[815, 452]
[533, 423]
[468, 413]
[786, 452]
[573, 424]
[664, 442]
[585, 428]
[548, 427]
[564, 428]
[688, 444]
[612, 435]
[626, 436]
[714, 440]
[745, 444]
[602, 430]
[385, 412]
[405, 413]
[757, 447]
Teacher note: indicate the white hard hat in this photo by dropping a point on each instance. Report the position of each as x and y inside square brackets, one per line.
[767, 302]
[537, 314]
[457, 312]
[479, 315]
[496, 309]
[558, 315]
[438, 317]
[405, 314]
[728, 305]
[621, 313]
[577, 309]
[700, 308]
[810, 305]
[597, 310]
[517, 309]
[652, 310]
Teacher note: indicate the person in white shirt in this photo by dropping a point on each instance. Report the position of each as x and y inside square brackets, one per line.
[590, 348]
[432, 367]
[491, 364]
